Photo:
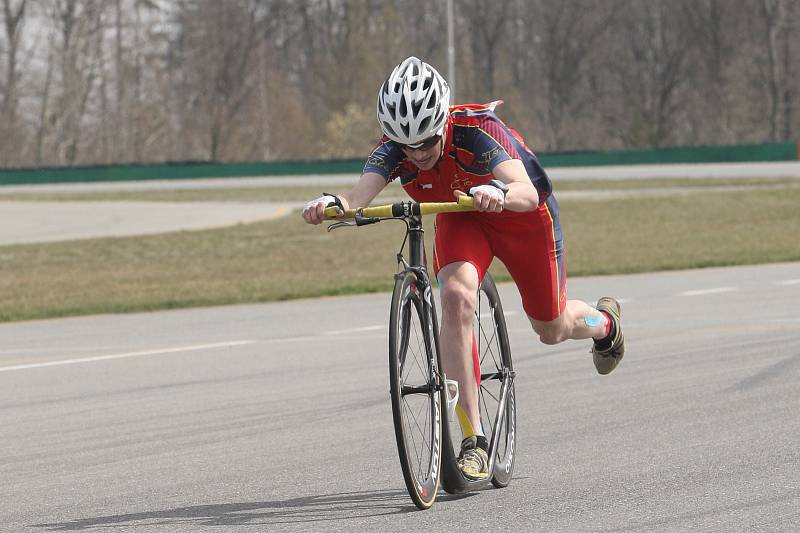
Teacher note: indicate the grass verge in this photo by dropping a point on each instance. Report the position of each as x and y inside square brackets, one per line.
[285, 258]
[304, 193]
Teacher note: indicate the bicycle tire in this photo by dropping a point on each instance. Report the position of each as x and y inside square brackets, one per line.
[415, 388]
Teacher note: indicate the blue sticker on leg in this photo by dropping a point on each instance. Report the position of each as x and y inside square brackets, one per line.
[592, 321]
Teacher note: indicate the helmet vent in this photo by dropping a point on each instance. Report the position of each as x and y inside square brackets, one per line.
[425, 123]
[388, 128]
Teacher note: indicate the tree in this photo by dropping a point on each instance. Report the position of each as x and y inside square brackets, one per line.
[93, 81]
[14, 16]
[717, 37]
[564, 65]
[215, 68]
[777, 28]
[651, 72]
[488, 25]
[77, 53]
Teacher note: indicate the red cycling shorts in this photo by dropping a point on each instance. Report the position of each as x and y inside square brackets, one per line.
[530, 245]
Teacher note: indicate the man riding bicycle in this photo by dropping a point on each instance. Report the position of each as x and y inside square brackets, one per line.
[440, 152]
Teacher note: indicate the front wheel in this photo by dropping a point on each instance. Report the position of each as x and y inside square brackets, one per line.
[415, 388]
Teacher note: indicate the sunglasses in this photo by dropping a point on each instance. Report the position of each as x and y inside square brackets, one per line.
[427, 144]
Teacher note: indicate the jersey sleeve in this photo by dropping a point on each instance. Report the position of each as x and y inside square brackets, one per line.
[385, 160]
[493, 144]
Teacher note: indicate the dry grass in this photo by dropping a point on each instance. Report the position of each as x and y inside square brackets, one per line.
[286, 258]
[304, 193]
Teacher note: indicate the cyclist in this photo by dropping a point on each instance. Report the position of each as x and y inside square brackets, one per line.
[440, 152]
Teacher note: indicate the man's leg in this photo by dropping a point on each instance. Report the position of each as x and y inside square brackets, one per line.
[459, 287]
[462, 255]
[581, 321]
[536, 263]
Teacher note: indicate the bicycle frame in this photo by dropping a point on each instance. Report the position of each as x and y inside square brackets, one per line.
[411, 213]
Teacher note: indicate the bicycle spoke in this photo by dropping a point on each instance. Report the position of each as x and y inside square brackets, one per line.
[418, 353]
[487, 391]
[419, 431]
[417, 349]
[423, 430]
[491, 343]
[417, 449]
[416, 421]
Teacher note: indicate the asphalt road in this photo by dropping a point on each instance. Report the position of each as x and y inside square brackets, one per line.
[276, 417]
[37, 222]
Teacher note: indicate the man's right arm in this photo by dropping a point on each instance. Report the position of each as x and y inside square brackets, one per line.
[365, 190]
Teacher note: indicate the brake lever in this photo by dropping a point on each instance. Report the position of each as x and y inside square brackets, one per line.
[340, 224]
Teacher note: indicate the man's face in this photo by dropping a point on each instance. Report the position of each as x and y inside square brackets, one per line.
[427, 154]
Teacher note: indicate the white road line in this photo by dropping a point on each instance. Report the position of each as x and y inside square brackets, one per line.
[322, 337]
[309, 338]
[505, 313]
[354, 330]
[55, 350]
[619, 300]
[282, 212]
[702, 292]
[788, 282]
[788, 320]
[383, 327]
[125, 355]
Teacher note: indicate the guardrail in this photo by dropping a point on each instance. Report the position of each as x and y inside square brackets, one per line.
[191, 170]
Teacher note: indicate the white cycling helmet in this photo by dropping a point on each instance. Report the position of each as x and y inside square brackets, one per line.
[413, 103]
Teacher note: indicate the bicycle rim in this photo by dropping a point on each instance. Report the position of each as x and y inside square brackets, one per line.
[414, 389]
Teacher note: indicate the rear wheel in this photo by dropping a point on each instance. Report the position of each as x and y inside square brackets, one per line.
[415, 389]
[497, 401]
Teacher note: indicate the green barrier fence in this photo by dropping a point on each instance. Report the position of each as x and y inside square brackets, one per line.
[171, 171]
[190, 170]
[695, 154]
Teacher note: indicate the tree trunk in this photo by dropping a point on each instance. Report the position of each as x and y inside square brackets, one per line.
[11, 143]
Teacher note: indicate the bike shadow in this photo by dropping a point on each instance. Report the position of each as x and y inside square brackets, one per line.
[306, 509]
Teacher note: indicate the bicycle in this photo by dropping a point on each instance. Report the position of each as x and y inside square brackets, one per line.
[428, 436]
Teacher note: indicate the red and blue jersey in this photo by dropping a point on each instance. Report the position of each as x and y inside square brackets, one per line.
[476, 141]
[529, 243]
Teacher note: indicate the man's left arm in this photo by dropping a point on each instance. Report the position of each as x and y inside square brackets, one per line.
[498, 150]
[522, 195]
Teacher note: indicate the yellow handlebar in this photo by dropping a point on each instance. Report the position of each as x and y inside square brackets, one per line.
[464, 203]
